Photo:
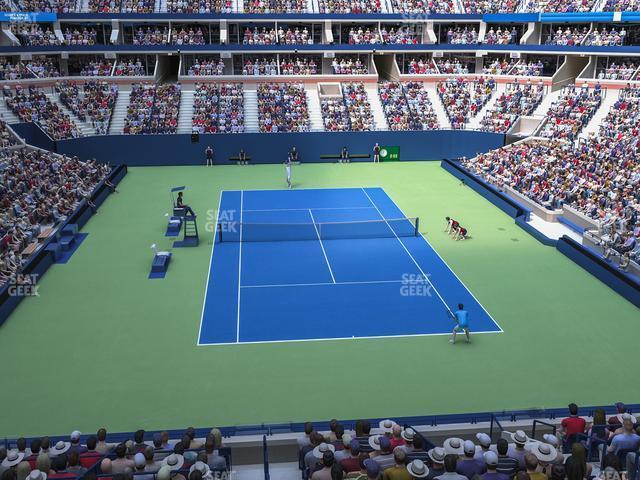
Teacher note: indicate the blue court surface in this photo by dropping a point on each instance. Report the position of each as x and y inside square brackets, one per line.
[296, 265]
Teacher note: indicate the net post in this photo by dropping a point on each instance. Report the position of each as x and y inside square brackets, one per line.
[417, 226]
[219, 231]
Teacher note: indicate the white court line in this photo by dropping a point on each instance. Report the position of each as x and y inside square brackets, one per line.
[305, 209]
[239, 269]
[206, 288]
[315, 227]
[408, 252]
[451, 270]
[322, 283]
[369, 337]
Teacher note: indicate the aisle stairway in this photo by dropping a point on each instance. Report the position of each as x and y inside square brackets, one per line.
[186, 112]
[474, 123]
[438, 108]
[594, 124]
[251, 110]
[119, 113]
[6, 114]
[379, 118]
[85, 127]
[548, 99]
[313, 104]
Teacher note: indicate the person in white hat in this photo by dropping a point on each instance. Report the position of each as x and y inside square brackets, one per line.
[310, 459]
[175, 461]
[75, 442]
[318, 453]
[418, 469]
[453, 446]
[437, 456]
[13, 458]
[204, 470]
[468, 465]
[484, 446]
[59, 448]
[37, 475]
[546, 455]
[140, 463]
[517, 450]
[555, 443]
[386, 426]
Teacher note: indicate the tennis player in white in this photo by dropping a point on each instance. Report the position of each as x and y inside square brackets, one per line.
[287, 167]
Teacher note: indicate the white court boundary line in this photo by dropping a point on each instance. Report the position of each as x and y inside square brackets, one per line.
[239, 269]
[315, 227]
[206, 287]
[450, 269]
[368, 337]
[426, 277]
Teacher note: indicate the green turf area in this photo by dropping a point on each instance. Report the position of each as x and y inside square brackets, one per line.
[105, 346]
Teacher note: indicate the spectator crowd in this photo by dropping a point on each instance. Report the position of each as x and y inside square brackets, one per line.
[218, 108]
[420, 66]
[599, 177]
[349, 65]
[517, 100]
[199, 6]
[32, 105]
[568, 115]
[462, 99]
[206, 67]
[282, 107]
[37, 190]
[129, 66]
[407, 106]
[153, 109]
[93, 102]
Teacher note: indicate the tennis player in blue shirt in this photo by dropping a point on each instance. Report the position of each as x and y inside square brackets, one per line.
[461, 317]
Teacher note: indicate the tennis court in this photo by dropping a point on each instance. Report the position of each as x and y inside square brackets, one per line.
[322, 264]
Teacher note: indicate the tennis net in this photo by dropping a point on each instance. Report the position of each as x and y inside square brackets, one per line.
[281, 232]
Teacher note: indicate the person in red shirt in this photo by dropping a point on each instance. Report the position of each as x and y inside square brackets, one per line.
[572, 425]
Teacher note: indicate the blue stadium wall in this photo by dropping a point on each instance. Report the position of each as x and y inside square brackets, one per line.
[146, 150]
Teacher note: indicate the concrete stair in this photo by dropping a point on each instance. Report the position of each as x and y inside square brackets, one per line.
[6, 114]
[543, 108]
[119, 113]
[251, 110]
[474, 123]
[85, 128]
[594, 124]
[313, 104]
[185, 115]
[379, 118]
[438, 108]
